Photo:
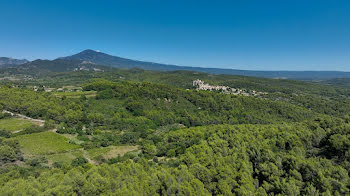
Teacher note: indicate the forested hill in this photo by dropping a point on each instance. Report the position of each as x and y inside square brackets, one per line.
[119, 62]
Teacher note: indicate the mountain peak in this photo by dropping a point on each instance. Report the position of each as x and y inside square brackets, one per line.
[90, 51]
[96, 57]
[87, 54]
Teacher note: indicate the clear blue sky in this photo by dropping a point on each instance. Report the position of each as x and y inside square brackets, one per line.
[245, 34]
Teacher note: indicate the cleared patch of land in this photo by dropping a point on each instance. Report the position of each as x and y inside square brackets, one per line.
[44, 143]
[111, 151]
[77, 94]
[65, 157]
[15, 124]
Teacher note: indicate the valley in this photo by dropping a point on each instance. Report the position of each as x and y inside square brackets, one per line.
[181, 129]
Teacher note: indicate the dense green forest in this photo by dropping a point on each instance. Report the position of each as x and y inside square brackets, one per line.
[136, 132]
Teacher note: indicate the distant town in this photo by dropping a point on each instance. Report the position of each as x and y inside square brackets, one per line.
[200, 85]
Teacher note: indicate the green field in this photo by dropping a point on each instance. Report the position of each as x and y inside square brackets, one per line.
[44, 143]
[14, 124]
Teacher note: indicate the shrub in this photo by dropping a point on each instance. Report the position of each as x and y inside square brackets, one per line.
[79, 161]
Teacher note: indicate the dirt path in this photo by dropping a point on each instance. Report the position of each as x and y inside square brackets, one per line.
[86, 155]
[36, 121]
[51, 130]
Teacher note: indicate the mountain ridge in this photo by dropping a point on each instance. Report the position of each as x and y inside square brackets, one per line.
[119, 62]
[91, 60]
[7, 61]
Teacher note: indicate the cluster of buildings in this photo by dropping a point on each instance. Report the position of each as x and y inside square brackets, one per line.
[200, 85]
[62, 89]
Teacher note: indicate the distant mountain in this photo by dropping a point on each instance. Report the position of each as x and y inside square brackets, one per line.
[100, 58]
[59, 65]
[97, 61]
[119, 62]
[8, 62]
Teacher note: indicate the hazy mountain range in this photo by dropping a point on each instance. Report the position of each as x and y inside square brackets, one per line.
[5, 61]
[92, 59]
